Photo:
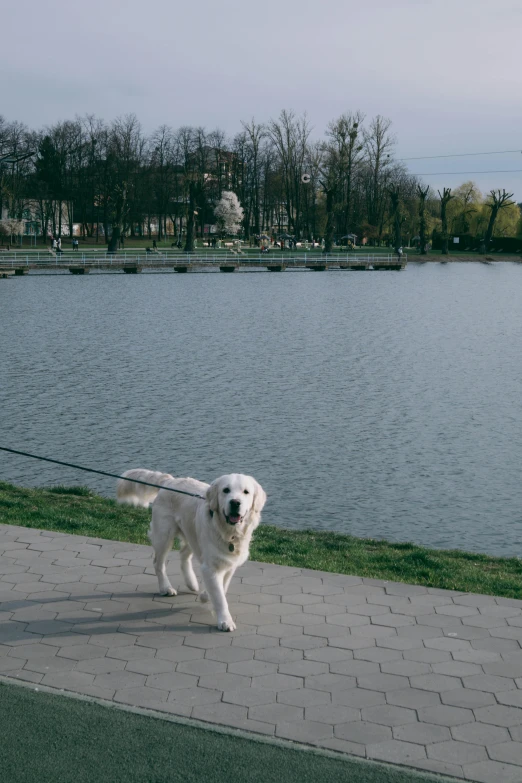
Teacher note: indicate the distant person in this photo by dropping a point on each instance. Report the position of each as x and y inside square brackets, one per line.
[55, 244]
[399, 253]
[154, 245]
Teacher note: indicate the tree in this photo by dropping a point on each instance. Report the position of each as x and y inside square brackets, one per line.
[289, 136]
[445, 198]
[194, 190]
[162, 166]
[466, 205]
[254, 134]
[345, 148]
[379, 143]
[498, 201]
[11, 227]
[229, 213]
[508, 221]
[330, 183]
[423, 222]
[123, 160]
[397, 215]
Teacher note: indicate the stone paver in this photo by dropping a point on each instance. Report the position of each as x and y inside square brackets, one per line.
[426, 678]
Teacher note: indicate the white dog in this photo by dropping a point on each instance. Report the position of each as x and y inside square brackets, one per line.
[216, 527]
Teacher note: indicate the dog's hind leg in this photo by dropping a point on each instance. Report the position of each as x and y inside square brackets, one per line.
[186, 567]
[161, 541]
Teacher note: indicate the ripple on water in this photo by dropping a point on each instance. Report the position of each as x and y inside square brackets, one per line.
[383, 405]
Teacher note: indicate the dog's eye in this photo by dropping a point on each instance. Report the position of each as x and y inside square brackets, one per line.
[226, 490]
[246, 492]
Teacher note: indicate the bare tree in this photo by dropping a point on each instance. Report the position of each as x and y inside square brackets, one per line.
[162, 164]
[124, 157]
[345, 144]
[254, 134]
[445, 198]
[289, 136]
[379, 143]
[499, 200]
[422, 194]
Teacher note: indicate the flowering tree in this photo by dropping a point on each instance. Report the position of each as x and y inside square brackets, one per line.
[229, 213]
[10, 227]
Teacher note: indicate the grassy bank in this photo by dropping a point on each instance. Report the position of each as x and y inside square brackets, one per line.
[77, 510]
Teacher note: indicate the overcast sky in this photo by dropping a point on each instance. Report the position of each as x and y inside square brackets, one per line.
[446, 72]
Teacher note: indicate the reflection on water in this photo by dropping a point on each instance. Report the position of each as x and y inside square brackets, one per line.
[381, 404]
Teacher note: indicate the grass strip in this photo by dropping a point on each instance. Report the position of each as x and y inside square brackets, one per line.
[53, 739]
[79, 511]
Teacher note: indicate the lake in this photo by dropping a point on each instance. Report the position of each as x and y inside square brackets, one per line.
[383, 404]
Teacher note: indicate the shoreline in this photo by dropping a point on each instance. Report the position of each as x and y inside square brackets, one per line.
[465, 258]
[78, 511]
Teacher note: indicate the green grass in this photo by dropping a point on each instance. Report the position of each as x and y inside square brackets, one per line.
[77, 510]
[53, 739]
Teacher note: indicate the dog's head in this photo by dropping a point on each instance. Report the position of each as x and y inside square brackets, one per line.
[236, 499]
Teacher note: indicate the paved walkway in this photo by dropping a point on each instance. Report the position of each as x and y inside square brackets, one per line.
[426, 678]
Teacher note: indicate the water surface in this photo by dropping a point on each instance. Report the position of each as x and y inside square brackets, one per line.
[380, 404]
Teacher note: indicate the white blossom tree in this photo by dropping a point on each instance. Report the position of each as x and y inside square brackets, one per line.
[229, 213]
[10, 227]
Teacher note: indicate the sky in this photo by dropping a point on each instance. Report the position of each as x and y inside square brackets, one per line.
[446, 72]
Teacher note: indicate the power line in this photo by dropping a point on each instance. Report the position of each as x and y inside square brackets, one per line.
[463, 155]
[449, 173]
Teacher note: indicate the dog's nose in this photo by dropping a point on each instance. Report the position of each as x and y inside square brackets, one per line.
[234, 504]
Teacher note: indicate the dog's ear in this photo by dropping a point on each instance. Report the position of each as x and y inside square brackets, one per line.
[259, 497]
[212, 496]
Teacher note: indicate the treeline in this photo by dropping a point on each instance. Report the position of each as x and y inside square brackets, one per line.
[112, 179]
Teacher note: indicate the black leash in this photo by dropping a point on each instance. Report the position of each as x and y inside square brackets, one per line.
[99, 472]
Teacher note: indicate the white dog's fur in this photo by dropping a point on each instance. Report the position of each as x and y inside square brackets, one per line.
[216, 527]
[140, 494]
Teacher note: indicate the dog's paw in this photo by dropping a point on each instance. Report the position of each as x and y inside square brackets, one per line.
[169, 591]
[227, 625]
[193, 586]
[203, 597]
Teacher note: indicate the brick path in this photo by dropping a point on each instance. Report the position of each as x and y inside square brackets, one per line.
[409, 675]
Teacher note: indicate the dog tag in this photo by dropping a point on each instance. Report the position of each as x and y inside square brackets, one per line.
[231, 547]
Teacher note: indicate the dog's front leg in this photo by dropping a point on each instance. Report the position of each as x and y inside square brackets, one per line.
[227, 579]
[215, 589]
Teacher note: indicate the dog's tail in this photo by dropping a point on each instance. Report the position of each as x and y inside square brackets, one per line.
[127, 491]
